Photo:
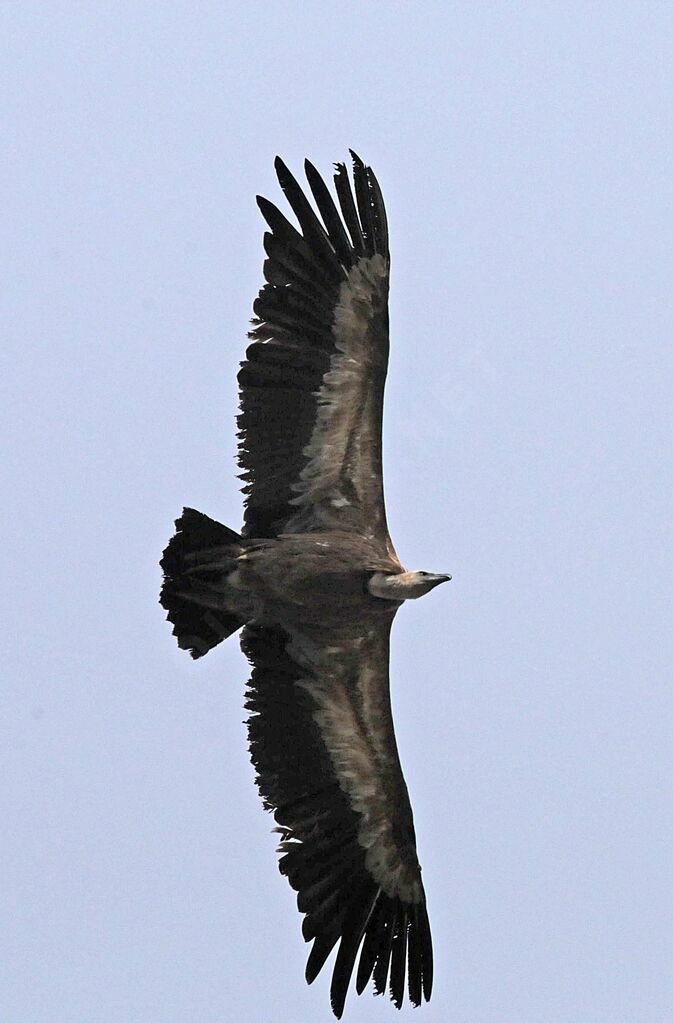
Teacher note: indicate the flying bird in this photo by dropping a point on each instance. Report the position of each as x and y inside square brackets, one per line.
[314, 582]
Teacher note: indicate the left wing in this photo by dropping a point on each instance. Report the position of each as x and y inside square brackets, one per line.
[313, 379]
[323, 746]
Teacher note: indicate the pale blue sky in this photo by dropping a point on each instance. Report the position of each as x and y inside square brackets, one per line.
[525, 152]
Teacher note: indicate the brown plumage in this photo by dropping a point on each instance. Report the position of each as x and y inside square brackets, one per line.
[315, 581]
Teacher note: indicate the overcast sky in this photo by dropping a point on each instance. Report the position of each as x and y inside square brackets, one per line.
[525, 153]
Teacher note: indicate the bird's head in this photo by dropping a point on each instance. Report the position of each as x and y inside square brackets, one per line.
[404, 585]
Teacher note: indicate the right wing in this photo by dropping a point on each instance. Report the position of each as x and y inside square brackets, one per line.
[323, 746]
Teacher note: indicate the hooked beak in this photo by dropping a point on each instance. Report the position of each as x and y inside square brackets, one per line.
[437, 578]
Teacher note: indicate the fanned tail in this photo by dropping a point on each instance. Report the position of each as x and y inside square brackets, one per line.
[196, 564]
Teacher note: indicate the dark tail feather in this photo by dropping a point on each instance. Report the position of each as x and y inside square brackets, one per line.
[196, 564]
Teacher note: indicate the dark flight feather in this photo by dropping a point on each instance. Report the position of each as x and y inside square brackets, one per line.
[398, 959]
[415, 960]
[330, 216]
[372, 944]
[380, 974]
[319, 954]
[378, 213]
[348, 210]
[364, 201]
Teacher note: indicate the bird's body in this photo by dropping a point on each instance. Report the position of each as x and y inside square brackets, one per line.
[315, 581]
[314, 578]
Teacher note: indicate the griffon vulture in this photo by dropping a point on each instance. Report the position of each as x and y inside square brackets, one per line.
[314, 581]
